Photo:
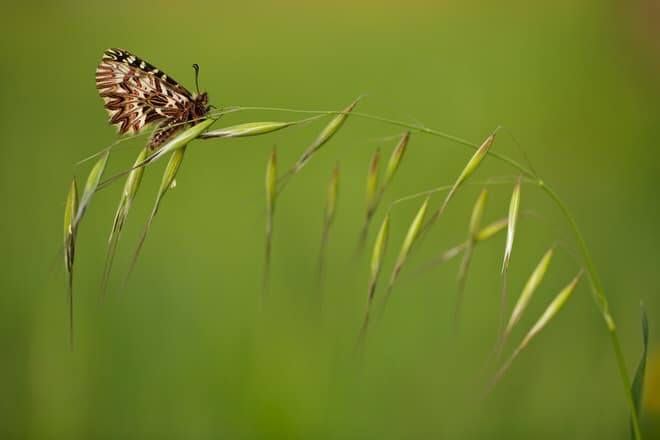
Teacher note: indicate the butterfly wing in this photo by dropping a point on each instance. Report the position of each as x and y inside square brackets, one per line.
[136, 93]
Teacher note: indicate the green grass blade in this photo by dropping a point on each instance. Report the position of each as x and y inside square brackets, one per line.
[638, 381]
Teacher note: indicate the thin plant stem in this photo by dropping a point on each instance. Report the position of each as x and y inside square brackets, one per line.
[597, 289]
[601, 301]
[596, 286]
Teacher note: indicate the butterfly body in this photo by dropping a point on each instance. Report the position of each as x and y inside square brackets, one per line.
[137, 94]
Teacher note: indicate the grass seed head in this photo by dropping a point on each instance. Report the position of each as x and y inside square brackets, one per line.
[475, 160]
[70, 210]
[170, 172]
[548, 314]
[514, 208]
[93, 180]
[333, 192]
[380, 245]
[530, 287]
[552, 309]
[70, 213]
[372, 184]
[271, 182]
[328, 132]
[478, 214]
[396, 158]
[247, 129]
[178, 142]
[129, 192]
[413, 233]
[492, 229]
[471, 166]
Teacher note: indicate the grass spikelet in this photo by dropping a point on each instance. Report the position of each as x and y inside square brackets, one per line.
[411, 237]
[328, 219]
[175, 143]
[271, 193]
[333, 192]
[178, 142]
[478, 214]
[380, 245]
[395, 159]
[374, 194]
[530, 287]
[128, 194]
[70, 211]
[638, 381]
[471, 166]
[373, 198]
[514, 208]
[166, 183]
[372, 184]
[475, 225]
[483, 235]
[93, 180]
[548, 314]
[492, 229]
[326, 134]
[247, 129]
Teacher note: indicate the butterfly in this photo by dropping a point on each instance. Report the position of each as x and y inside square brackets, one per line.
[137, 94]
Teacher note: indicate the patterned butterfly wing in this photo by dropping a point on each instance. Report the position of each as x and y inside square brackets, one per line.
[136, 94]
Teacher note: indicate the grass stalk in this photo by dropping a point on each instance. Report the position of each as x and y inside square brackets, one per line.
[328, 220]
[70, 212]
[271, 194]
[473, 233]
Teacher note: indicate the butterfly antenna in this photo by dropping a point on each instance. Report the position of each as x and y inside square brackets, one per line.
[196, 67]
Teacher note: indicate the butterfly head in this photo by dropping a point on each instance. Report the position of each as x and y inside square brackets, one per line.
[201, 105]
[201, 99]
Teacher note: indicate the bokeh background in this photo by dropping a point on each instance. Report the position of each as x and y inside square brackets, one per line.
[190, 349]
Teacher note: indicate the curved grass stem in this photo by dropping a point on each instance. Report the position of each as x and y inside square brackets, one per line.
[596, 286]
[601, 302]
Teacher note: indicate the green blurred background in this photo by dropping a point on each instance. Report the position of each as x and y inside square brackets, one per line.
[190, 350]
